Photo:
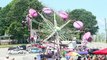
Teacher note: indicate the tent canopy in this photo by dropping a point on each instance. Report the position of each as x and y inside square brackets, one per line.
[101, 52]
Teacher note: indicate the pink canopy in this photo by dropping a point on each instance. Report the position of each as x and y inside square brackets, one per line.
[78, 24]
[47, 10]
[86, 36]
[63, 14]
[32, 13]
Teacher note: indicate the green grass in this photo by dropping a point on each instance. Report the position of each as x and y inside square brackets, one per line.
[11, 45]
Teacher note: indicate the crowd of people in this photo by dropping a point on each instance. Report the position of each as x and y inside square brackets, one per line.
[52, 53]
[63, 53]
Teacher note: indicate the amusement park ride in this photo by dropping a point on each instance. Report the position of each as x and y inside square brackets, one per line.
[53, 26]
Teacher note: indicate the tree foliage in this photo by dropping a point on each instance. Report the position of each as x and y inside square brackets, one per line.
[12, 15]
[89, 20]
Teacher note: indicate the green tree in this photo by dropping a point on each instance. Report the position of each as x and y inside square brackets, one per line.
[0, 8]
[18, 33]
[13, 14]
[89, 20]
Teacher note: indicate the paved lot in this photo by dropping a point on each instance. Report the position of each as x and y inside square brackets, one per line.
[3, 52]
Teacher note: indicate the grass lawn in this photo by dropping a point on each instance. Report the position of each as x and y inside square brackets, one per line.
[11, 45]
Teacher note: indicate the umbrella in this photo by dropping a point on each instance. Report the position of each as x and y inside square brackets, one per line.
[90, 51]
[83, 52]
[72, 54]
[101, 52]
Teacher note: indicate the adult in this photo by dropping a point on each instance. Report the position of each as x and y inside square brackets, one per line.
[7, 58]
[79, 58]
[13, 59]
[35, 58]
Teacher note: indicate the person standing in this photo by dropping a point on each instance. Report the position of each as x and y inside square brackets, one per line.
[7, 58]
[35, 58]
[79, 58]
[13, 59]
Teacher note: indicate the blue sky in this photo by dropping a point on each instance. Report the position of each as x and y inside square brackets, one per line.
[97, 7]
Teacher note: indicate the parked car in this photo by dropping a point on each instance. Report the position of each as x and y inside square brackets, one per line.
[16, 51]
[34, 50]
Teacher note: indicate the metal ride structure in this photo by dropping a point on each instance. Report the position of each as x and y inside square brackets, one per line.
[53, 26]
